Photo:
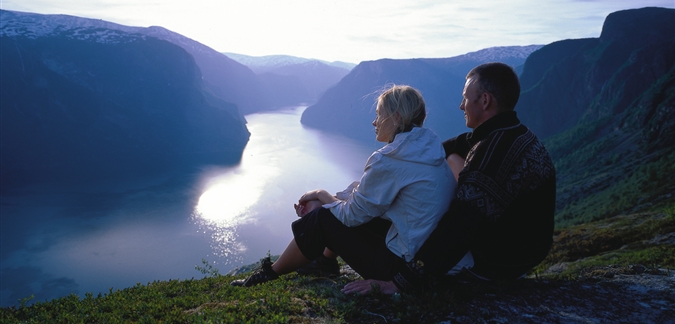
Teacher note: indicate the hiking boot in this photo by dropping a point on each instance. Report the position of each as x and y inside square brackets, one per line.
[322, 267]
[263, 273]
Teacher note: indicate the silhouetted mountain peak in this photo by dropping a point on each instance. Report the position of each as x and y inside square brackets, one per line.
[639, 26]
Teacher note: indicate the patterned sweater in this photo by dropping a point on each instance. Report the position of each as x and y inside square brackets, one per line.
[503, 208]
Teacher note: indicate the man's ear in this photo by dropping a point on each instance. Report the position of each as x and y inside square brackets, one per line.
[486, 100]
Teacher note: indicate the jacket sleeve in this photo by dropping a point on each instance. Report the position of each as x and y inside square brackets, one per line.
[372, 198]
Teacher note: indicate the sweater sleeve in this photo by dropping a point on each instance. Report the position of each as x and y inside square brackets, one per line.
[459, 145]
[375, 193]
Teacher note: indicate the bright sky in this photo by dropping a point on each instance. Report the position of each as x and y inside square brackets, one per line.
[353, 30]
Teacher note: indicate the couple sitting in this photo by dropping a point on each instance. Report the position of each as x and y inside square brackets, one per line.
[482, 202]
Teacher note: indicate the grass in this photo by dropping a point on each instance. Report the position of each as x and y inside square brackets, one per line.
[291, 299]
[617, 243]
[622, 240]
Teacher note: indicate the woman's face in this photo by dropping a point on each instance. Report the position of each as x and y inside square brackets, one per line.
[385, 125]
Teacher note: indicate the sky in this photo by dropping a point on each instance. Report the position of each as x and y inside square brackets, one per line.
[353, 30]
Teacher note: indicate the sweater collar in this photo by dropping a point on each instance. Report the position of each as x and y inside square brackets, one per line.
[502, 120]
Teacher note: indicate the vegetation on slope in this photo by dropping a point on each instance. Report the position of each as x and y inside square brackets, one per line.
[607, 247]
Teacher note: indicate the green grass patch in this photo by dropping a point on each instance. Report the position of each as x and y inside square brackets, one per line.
[644, 238]
[617, 243]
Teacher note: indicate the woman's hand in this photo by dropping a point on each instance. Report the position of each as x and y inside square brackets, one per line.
[311, 195]
[299, 210]
[304, 208]
[366, 286]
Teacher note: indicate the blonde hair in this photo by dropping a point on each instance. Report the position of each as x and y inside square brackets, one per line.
[405, 101]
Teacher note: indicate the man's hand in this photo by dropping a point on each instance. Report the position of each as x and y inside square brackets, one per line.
[366, 286]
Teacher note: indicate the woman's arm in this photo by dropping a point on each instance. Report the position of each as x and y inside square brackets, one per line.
[456, 163]
[321, 195]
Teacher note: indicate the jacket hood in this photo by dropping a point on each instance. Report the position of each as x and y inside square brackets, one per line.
[420, 145]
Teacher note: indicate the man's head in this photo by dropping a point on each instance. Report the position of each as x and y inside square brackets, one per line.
[490, 88]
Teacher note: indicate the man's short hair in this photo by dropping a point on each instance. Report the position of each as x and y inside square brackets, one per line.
[501, 81]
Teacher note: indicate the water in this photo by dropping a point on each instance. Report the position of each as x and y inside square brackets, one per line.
[62, 240]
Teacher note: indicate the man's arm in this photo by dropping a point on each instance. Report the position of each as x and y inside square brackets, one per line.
[458, 145]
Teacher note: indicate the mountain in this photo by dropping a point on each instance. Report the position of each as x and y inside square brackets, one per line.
[572, 76]
[224, 77]
[292, 80]
[349, 106]
[269, 63]
[84, 102]
[606, 109]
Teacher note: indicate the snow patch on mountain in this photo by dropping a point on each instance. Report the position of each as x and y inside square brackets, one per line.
[495, 53]
[14, 24]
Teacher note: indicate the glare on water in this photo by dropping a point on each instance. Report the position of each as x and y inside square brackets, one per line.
[75, 240]
[251, 204]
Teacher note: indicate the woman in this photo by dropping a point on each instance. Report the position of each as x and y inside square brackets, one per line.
[380, 223]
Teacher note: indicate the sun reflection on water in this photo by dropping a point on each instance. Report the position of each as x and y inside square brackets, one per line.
[227, 202]
[247, 209]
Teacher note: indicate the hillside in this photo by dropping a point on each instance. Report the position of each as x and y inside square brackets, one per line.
[605, 108]
[582, 80]
[616, 271]
[84, 103]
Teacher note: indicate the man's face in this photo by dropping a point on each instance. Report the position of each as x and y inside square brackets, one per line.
[471, 103]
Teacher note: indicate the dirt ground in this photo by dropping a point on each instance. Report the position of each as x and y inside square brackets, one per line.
[605, 295]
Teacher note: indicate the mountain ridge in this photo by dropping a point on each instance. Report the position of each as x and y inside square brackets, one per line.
[348, 107]
[261, 64]
[605, 108]
[88, 104]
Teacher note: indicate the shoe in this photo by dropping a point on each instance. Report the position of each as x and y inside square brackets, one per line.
[322, 267]
[263, 273]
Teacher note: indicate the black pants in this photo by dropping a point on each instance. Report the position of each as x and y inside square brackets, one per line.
[362, 247]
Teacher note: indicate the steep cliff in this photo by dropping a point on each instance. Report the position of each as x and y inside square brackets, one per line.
[606, 109]
[85, 104]
[573, 81]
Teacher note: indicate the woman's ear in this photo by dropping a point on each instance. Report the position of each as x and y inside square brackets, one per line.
[398, 120]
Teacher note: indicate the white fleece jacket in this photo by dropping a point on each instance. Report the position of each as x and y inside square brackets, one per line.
[407, 182]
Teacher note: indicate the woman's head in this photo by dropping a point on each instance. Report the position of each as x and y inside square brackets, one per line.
[399, 109]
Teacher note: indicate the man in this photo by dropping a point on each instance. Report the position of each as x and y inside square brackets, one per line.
[500, 222]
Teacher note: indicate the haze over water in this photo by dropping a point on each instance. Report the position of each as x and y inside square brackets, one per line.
[57, 241]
